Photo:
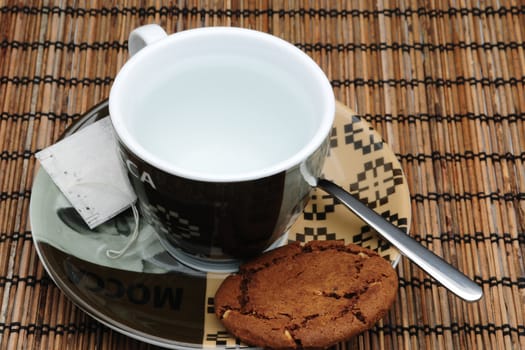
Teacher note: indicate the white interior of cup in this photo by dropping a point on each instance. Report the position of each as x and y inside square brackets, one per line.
[222, 104]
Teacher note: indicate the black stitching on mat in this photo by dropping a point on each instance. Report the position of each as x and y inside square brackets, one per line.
[427, 117]
[28, 280]
[448, 197]
[415, 282]
[71, 328]
[311, 12]
[475, 237]
[504, 281]
[37, 115]
[438, 82]
[459, 157]
[61, 81]
[15, 237]
[345, 47]
[454, 328]
[491, 282]
[15, 155]
[15, 195]
[58, 45]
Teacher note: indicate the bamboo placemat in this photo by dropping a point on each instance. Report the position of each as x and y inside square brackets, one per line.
[442, 82]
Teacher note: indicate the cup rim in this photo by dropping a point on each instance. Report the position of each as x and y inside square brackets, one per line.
[116, 97]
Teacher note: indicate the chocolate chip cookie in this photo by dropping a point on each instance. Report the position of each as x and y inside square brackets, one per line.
[305, 297]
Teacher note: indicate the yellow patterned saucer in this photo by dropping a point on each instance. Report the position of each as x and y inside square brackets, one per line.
[364, 165]
[149, 296]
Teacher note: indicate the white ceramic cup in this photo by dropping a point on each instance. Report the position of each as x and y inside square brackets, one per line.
[218, 128]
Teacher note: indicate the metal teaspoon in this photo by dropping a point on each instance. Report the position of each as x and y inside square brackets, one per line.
[452, 279]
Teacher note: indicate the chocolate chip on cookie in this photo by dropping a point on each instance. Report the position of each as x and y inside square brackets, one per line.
[305, 297]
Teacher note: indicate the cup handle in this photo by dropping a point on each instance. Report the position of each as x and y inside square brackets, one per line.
[143, 36]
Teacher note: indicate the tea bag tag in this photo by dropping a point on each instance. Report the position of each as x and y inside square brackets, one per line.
[86, 168]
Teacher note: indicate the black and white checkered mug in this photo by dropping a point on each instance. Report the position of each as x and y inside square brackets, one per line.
[219, 129]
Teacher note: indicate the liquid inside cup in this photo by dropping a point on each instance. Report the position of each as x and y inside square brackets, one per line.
[224, 115]
[222, 104]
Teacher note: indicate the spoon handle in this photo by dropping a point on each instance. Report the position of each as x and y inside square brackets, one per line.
[443, 272]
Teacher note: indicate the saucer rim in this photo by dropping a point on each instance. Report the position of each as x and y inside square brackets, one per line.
[88, 309]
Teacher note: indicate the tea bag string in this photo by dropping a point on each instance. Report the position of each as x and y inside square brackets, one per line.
[115, 254]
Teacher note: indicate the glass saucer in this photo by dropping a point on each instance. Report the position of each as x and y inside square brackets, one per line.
[148, 295]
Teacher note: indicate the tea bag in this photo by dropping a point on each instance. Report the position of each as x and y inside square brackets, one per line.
[86, 168]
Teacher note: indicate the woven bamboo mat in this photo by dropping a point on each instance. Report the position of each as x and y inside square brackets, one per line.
[442, 83]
